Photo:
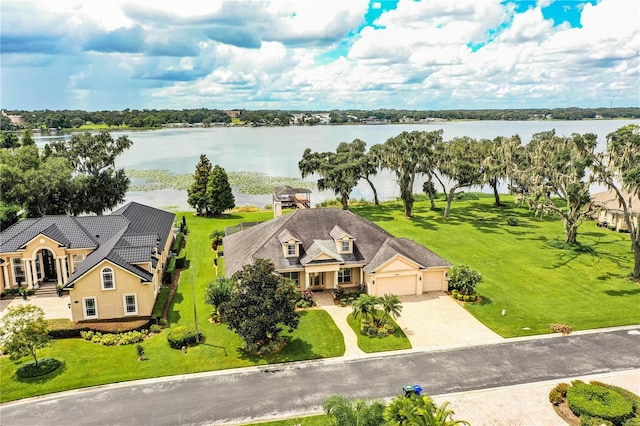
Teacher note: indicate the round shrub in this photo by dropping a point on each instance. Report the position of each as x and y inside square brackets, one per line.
[597, 401]
[594, 421]
[183, 336]
[512, 221]
[45, 366]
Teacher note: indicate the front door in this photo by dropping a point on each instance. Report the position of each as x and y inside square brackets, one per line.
[49, 264]
[316, 280]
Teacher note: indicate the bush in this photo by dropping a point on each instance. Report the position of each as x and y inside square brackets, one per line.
[45, 366]
[111, 339]
[597, 401]
[463, 196]
[512, 221]
[558, 394]
[338, 293]
[635, 421]
[464, 279]
[183, 336]
[594, 421]
[181, 259]
[170, 272]
[560, 328]
[161, 301]
[628, 395]
[155, 328]
[177, 242]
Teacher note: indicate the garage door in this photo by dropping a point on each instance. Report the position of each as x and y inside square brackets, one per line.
[433, 281]
[399, 285]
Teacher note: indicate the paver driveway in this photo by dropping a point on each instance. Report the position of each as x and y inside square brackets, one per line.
[433, 320]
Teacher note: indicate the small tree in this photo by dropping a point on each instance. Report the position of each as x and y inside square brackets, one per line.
[365, 306]
[218, 293]
[197, 192]
[23, 332]
[219, 194]
[262, 303]
[464, 279]
[419, 410]
[391, 306]
[344, 412]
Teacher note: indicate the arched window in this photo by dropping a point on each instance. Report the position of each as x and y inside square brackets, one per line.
[108, 282]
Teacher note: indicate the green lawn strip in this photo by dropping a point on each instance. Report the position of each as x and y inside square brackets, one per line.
[321, 420]
[368, 344]
[536, 283]
[316, 337]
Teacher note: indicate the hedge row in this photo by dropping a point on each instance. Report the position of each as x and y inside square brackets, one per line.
[180, 260]
[178, 242]
[161, 301]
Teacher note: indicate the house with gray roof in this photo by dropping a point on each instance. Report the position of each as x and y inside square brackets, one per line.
[325, 248]
[609, 211]
[112, 265]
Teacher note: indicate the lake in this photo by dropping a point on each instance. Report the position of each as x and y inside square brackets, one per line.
[276, 151]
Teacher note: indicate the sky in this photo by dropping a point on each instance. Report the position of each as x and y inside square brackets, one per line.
[318, 55]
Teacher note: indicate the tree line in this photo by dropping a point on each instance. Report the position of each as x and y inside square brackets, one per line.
[66, 177]
[150, 118]
[552, 174]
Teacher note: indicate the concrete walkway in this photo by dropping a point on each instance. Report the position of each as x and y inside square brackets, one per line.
[339, 315]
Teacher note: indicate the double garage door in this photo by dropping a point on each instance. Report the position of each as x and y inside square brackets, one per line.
[401, 285]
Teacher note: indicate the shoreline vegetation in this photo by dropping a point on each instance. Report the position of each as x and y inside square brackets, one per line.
[252, 183]
[132, 119]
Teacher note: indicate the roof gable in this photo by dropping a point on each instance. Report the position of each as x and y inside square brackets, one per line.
[321, 251]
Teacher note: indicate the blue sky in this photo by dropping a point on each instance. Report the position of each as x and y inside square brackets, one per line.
[318, 55]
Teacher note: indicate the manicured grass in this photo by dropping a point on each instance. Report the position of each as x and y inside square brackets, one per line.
[535, 282]
[316, 337]
[398, 340]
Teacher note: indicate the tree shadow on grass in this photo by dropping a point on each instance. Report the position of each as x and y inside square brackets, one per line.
[45, 378]
[376, 213]
[224, 349]
[174, 314]
[622, 292]
[296, 350]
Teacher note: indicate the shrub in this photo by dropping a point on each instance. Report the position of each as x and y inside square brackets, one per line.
[629, 396]
[161, 301]
[512, 221]
[177, 242]
[170, 272]
[464, 279]
[117, 339]
[559, 393]
[45, 366]
[338, 293]
[181, 259]
[597, 401]
[634, 421]
[463, 196]
[155, 328]
[594, 421]
[560, 328]
[183, 336]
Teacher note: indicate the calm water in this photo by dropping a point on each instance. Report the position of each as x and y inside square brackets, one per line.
[277, 150]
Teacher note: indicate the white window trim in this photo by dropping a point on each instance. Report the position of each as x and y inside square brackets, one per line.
[113, 278]
[341, 275]
[285, 248]
[84, 307]
[124, 302]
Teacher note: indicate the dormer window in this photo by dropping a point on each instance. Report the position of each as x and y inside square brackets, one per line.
[291, 249]
[346, 247]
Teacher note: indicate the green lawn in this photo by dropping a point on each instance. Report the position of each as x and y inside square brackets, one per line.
[368, 344]
[321, 420]
[316, 337]
[536, 283]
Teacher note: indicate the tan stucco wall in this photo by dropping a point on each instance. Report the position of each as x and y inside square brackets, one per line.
[435, 279]
[403, 269]
[111, 302]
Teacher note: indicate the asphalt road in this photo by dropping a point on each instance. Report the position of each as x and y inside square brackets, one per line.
[241, 395]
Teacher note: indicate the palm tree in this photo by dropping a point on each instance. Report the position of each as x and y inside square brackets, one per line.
[365, 306]
[344, 412]
[419, 410]
[391, 306]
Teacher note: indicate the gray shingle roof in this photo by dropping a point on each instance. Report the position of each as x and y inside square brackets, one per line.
[318, 247]
[63, 229]
[372, 243]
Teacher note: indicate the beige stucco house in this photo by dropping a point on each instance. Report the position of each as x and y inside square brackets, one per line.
[112, 265]
[324, 248]
[609, 212]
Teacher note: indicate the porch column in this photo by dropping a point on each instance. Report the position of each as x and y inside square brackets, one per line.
[5, 275]
[59, 270]
[34, 271]
[26, 267]
[335, 279]
[65, 273]
[306, 279]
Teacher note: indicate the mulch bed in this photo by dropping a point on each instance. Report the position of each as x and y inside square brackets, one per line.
[566, 414]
